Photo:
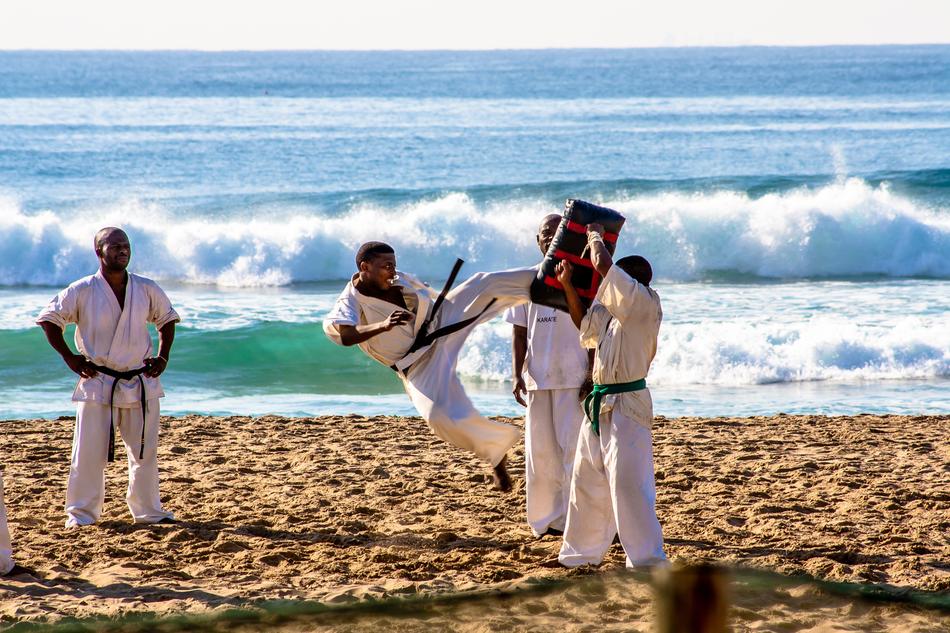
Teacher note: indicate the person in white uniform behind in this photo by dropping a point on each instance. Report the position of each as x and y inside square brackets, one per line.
[390, 322]
[613, 490]
[118, 378]
[550, 377]
[6, 549]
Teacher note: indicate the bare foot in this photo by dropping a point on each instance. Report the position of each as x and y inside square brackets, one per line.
[500, 477]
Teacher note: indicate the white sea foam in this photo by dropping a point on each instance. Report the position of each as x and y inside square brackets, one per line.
[824, 348]
[736, 353]
[487, 353]
[734, 335]
[842, 229]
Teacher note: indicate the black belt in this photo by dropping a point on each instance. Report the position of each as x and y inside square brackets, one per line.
[123, 375]
[425, 337]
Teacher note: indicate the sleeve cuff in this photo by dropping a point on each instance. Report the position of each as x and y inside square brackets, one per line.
[53, 318]
[171, 317]
[511, 316]
[332, 331]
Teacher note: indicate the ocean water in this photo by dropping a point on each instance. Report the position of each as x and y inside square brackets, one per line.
[794, 202]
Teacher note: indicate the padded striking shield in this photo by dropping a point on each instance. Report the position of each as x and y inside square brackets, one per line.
[570, 243]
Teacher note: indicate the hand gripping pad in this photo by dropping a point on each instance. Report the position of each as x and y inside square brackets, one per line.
[570, 243]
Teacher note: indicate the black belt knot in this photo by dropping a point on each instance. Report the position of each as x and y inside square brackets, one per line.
[123, 375]
[425, 337]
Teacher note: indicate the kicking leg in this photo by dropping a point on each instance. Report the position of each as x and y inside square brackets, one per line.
[488, 295]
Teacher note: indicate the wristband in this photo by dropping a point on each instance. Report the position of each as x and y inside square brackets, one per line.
[163, 358]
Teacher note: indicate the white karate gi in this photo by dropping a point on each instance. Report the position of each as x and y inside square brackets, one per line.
[428, 374]
[6, 549]
[118, 339]
[554, 370]
[612, 490]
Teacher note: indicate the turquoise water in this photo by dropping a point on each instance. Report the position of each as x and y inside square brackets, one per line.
[795, 204]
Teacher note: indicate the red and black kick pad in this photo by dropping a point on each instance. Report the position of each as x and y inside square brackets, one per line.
[570, 243]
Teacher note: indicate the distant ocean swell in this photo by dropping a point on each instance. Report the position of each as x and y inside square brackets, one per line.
[341, 115]
[849, 227]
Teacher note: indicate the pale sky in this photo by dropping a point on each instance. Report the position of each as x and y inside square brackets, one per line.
[464, 24]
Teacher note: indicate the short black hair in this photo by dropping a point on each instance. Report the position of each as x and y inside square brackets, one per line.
[369, 250]
[549, 218]
[637, 267]
[103, 233]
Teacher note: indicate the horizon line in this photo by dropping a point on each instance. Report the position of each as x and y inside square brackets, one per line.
[466, 50]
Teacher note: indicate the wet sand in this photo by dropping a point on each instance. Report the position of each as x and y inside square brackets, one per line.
[340, 509]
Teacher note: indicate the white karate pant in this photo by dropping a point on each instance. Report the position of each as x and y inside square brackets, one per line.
[432, 382]
[552, 425]
[85, 490]
[6, 550]
[613, 492]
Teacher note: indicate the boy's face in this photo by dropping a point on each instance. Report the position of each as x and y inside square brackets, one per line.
[379, 271]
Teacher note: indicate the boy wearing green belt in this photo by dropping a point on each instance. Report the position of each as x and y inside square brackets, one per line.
[612, 488]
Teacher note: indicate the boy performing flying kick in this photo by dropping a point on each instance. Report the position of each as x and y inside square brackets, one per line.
[419, 334]
[612, 490]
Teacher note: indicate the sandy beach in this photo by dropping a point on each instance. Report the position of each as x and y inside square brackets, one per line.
[340, 509]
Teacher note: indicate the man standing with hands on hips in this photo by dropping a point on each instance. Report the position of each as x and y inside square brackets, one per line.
[118, 378]
[613, 490]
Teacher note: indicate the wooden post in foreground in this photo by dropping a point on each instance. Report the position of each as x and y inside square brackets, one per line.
[691, 599]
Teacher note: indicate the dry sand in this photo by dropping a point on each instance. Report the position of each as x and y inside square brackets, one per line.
[339, 509]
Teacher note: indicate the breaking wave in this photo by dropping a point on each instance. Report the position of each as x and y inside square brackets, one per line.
[850, 227]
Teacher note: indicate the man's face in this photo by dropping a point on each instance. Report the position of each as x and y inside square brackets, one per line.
[115, 251]
[380, 270]
[546, 233]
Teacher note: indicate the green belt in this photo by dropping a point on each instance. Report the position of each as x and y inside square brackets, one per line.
[592, 401]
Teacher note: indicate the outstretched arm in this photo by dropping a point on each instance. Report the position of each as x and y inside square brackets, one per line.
[575, 307]
[356, 334]
[76, 362]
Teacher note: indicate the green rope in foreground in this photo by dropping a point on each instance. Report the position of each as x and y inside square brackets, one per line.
[274, 614]
[937, 600]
